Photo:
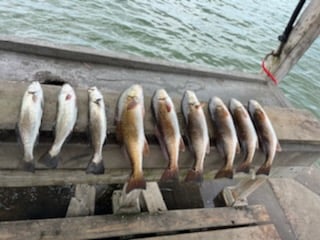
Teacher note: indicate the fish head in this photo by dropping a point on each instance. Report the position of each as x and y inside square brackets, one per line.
[67, 92]
[134, 95]
[35, 91]
[95, 95]
[216, 103]
[192, 98]
[256, 110]
[35, 88]
[161, 95]
[234, 104]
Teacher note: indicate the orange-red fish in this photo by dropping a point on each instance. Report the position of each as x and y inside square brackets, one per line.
[246, 132]
[130, 132]
[197, 132]
[225, 135]
[167, 132]
[268, 140]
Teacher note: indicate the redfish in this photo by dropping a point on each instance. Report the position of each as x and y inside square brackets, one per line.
[197, 134]
[168, 132]
[268, 140]
[130, 132]
[225, 135]
[246, 132]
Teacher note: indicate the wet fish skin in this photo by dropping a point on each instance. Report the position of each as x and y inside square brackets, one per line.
[65, 121]
[225, 135]
[168, 132]
[29, 123]
[246, 132]
[97, 128]
[197, 132]
[268, 140]
[130, 132]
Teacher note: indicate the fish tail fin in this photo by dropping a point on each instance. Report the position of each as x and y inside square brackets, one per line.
[50, 161]
[225, 173]
[136, 182]
[194, 176]
[170, 174]
[95, 168]
[27, 166]
[243, 167]
[264, 169]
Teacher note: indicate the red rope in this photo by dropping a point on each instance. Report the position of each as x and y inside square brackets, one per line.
[269, 74]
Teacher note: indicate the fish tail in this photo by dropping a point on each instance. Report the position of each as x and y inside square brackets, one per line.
[27, 166]
[243, 167]
[95, 168]
[170, 174]
[225, 173]
[194, 176]
[264, 169]
[136, 182]
[50, 161]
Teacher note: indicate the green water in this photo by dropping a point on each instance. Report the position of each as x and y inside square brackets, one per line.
[225, 34]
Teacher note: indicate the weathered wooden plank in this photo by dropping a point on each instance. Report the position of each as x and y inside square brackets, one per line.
[262, 232]
[153, 198]
[115, 226]
[290, 124]
[301, 206]
[305, 31]
[83, 203]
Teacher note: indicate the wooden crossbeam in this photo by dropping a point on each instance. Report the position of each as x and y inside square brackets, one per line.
[117, 225]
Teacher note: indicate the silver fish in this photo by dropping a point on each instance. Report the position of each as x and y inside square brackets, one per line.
[130, 132]
[225, 135]
[66, 119]
[268, 140]
[197, 132]
[97, 128]
[246, 132]
[29, 122]
[167, 132]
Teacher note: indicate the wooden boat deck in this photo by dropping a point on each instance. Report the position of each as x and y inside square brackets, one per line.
[274, 209]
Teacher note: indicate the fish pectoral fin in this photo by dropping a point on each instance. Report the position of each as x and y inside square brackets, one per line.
[146, 149]
[182, 147]
[279, 149]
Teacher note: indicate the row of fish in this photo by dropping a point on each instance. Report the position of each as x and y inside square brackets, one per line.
[237, 125]
[30, 120]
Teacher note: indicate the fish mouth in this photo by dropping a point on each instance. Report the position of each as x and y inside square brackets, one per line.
[91, 89]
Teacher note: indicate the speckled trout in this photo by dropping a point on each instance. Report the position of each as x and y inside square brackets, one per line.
[168, 132]
[29, 123]
[225, 135]
[65, 121]
[246, 132]
[268, 140]
[130, 132]
[197, 134]
[97, 129]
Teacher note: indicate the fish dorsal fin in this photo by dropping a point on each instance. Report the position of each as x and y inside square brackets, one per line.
[146, 149]
[279, 149]
[182, 147]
